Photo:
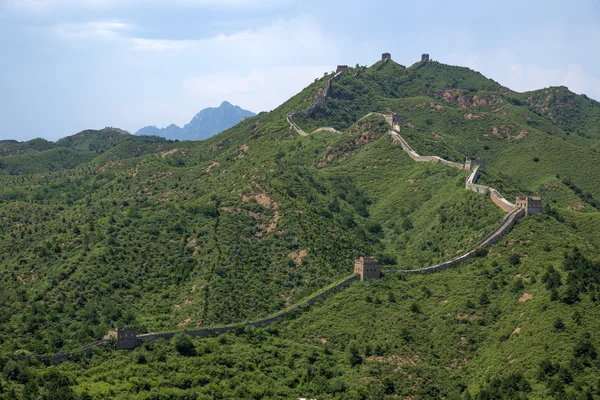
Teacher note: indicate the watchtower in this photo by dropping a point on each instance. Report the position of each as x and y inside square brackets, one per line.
[367, 268]
[424, 57]
[125, 338]
[531, 204]
[397, 119]
[468, 165]
[394, 119]
[385, 57]
[341, 68]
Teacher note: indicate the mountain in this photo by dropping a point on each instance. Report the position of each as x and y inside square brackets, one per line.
[205, 124]
[170, 236]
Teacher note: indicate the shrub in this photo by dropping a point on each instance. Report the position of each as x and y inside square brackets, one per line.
[414, 307]
[183, 344]
[559, 325]
[353, 354]
[484, 299]
[585, 352]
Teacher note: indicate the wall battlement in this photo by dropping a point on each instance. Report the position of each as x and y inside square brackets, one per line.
[367, 268]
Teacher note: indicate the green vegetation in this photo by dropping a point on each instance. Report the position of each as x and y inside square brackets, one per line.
[103, 229]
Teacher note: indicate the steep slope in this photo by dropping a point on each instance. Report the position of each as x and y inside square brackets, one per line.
[205, 124]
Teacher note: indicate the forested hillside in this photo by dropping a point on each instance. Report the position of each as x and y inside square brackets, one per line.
[104, 229]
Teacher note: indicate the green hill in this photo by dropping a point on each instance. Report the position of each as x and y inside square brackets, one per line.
[104, 229]
[42, 156]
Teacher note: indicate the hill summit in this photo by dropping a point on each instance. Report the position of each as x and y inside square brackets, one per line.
[205, 124]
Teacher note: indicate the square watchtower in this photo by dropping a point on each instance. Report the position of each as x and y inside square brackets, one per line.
[386, 57]
[531, 204]
[125, 338]
[367, 268]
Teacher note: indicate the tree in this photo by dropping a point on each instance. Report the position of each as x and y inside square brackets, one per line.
[559, 325]
[183, 344]
[353, 354]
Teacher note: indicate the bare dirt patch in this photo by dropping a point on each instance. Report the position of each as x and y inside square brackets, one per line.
[576, 206]
[243, 150]
[168, 153]
[297, 257]
[519, 276]
[184, 322]
[397, 360]
[211, 166]
[525, 297]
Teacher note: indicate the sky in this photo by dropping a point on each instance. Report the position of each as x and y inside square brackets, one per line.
[68, 65]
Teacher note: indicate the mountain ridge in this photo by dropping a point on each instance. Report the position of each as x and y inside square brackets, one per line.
[204, 124]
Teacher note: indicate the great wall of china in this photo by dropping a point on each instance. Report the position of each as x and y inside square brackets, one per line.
[514, 213]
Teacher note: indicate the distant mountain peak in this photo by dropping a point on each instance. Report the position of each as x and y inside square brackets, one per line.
[204, 124]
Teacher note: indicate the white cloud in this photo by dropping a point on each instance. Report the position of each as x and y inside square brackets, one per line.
[282, 40]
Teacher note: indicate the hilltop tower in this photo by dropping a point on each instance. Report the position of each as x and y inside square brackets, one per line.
[125, 338]
[341, 68]
[424, 57]
[367, 268]
[531, 204]
[386, 57]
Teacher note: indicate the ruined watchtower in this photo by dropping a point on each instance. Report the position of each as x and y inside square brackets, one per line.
[394, 120]
[341, 68]
[531, 204]
[125, 338]
[386, 57]
[367, 267]
[424, 57]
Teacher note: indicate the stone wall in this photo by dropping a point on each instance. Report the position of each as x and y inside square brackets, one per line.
[59, 358]
[504, 227]
[396, 138]
[495, 196]
[207, 332]
[313, 107]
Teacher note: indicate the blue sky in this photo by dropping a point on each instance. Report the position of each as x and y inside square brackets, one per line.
[70, 65]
